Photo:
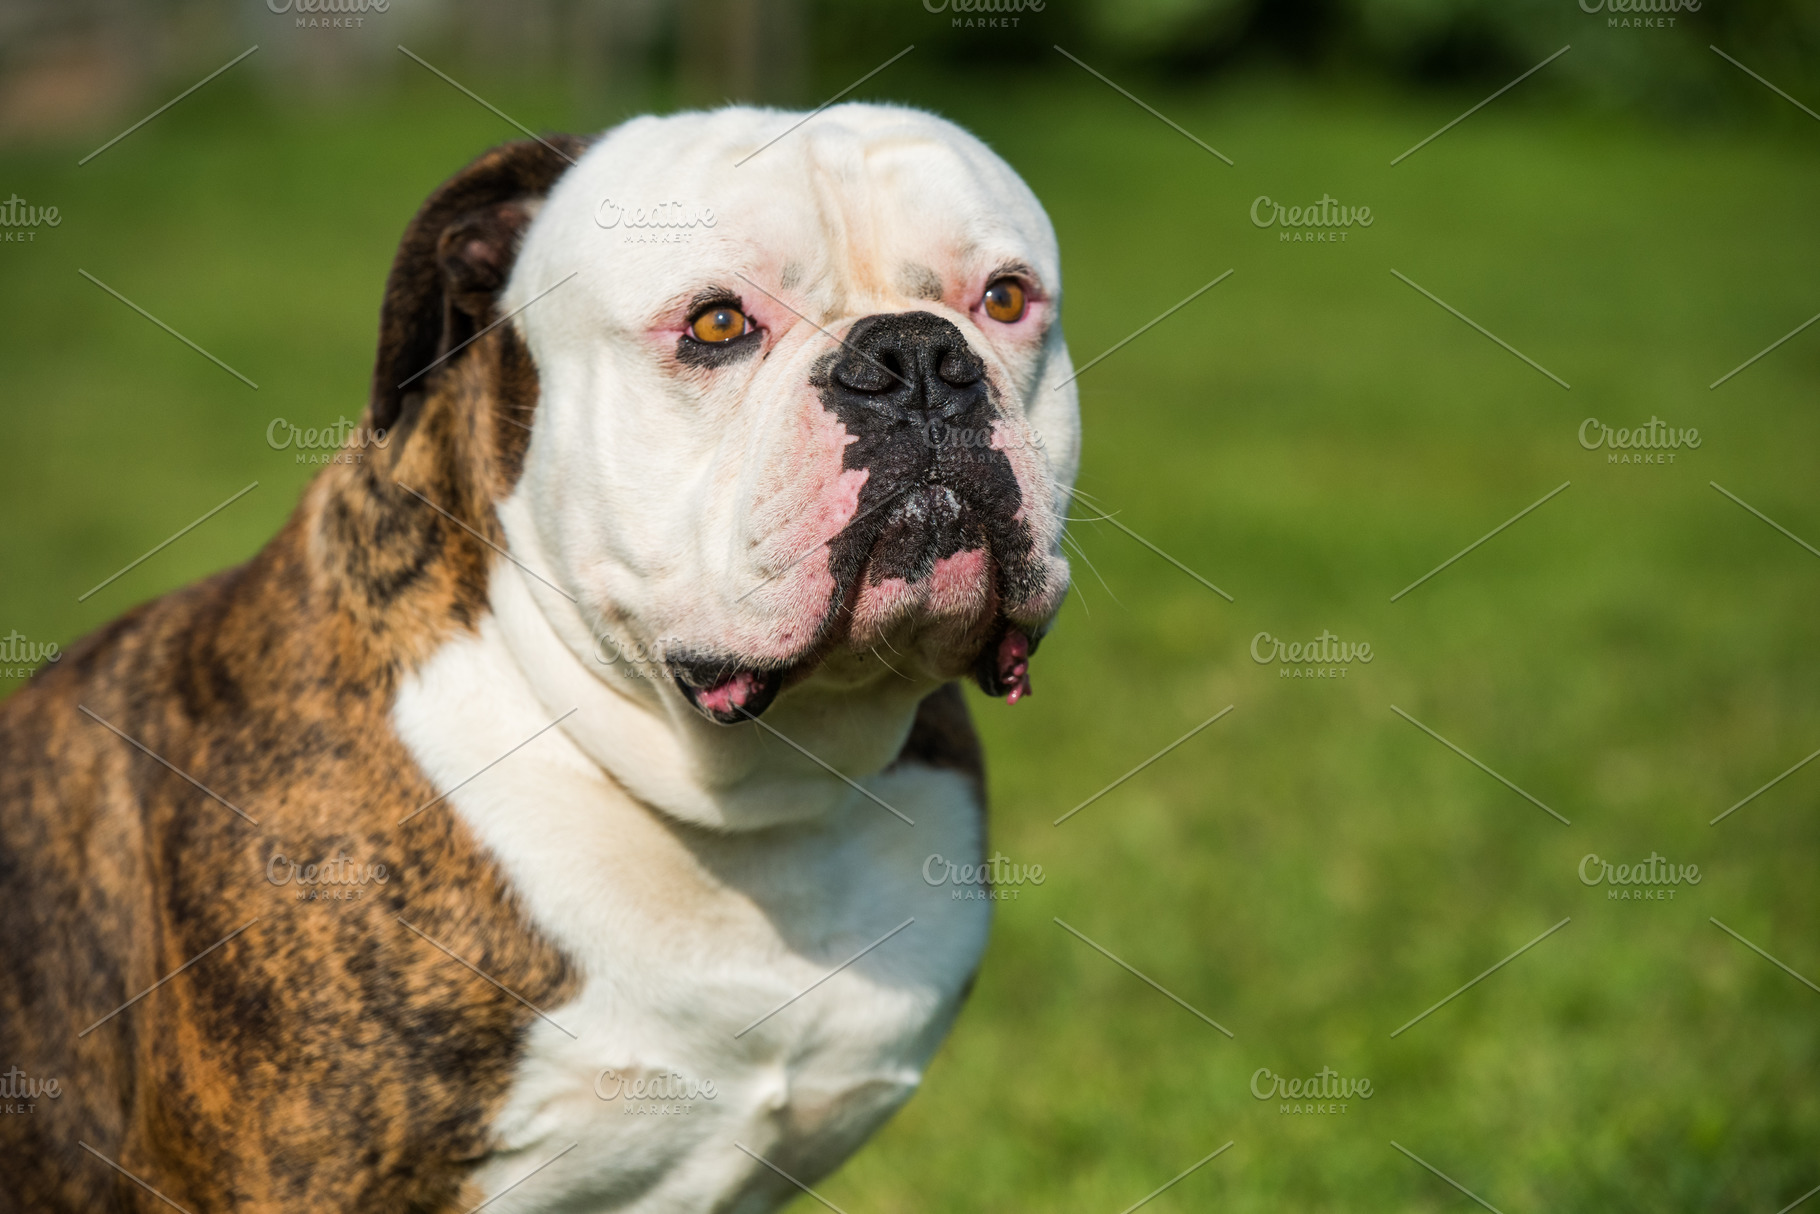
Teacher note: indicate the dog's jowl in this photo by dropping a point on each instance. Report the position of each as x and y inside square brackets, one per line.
[545, 806]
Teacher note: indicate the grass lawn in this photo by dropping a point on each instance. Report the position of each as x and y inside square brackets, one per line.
[1312, 435]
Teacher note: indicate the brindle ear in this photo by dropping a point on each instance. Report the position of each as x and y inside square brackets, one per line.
[454, 259]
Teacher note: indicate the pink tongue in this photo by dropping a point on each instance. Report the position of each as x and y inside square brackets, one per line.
[1014, 665]
[730, 694]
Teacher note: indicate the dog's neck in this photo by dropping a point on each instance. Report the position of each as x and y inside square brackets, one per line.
[793, 764]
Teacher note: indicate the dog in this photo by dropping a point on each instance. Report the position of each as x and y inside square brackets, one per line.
[541, 816]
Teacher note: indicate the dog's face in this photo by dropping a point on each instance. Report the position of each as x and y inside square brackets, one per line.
[803, 412]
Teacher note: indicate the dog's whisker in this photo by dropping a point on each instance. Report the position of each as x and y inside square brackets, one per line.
[1081, 595]
[888, 666]
[1074, 546]
[1082, 551]
[1107, 517]
[1083, 495]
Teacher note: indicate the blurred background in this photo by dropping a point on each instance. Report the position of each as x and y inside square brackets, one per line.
[68, 65]
[1312, 435]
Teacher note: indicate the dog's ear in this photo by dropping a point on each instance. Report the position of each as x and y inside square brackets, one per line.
[453, 261]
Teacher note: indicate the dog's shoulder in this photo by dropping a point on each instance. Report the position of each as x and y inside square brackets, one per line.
[206, 794]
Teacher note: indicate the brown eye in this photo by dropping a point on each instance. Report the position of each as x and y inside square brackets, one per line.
[722, 322]
[1004, 301]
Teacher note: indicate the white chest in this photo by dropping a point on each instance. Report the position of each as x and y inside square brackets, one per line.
[723, 1022]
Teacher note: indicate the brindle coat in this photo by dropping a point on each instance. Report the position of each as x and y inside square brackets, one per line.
[326, 1056]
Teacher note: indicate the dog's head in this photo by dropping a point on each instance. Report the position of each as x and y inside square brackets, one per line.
[801, 414]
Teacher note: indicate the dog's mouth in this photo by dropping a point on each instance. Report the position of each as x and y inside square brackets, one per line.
[1003, 668]
[941, 573]
[727, 694]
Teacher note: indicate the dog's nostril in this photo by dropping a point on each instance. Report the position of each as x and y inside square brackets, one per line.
[865, 375]
[881, 373]
[960, 366]
[911, 363]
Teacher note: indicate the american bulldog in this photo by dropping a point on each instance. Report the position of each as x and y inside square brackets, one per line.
[539, 819]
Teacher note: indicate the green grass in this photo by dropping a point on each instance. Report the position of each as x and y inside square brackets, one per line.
[1312, 435]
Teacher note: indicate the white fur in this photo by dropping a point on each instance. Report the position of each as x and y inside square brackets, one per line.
[684, 936]
[666, 505]
[700, 875]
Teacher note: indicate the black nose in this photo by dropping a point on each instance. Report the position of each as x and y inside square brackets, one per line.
[910, 367]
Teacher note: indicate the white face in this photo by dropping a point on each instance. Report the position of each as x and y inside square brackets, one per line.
[821, 440]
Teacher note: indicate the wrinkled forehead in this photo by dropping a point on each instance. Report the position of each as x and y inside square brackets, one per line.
[863, 199]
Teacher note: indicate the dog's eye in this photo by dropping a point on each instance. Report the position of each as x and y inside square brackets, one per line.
[718, 323]
[1004, 301]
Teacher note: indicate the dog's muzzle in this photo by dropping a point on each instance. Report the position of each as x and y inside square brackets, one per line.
[916, 400]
